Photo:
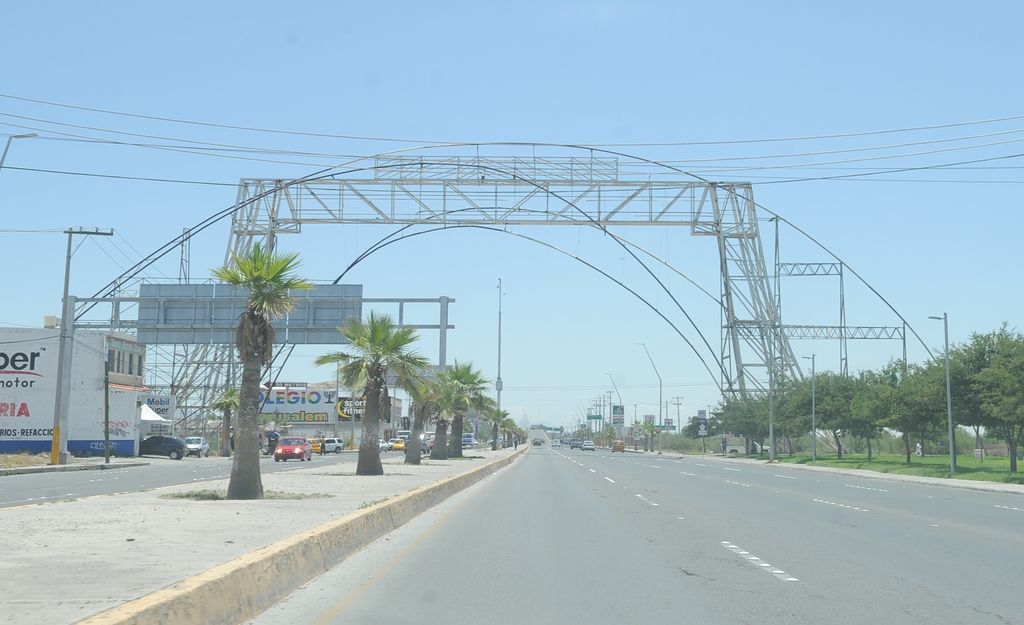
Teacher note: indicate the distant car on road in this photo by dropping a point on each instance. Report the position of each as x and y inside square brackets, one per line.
[537, 442]
[618, 446]
[383, 445]
[333, 445]
[173, 448]
[588, 446]
[397, 444]
[468, 440]
[576, 443]
[293, 448]
[556, 443]
[197, 445]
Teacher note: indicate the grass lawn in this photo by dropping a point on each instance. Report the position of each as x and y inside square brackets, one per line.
[967, 468]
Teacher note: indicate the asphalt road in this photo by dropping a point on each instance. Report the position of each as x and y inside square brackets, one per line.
[16, 490]
[590, 537]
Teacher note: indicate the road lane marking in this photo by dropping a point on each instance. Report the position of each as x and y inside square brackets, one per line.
[731, 469]
[737, 483]
[785, 477]
[840, 505]
[690, 474]
[1009, 508]
[609, 479]
[701, 465]
[758, 562]
[645, 499]
[877, 490]
[592, 471]
[654, 466]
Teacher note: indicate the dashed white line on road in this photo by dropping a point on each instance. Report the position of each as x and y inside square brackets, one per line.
[1009, 508]
[840, 505]
[592, 471]
[737, 483]
[731, 469]
[690, 474]
[654, 466]
[645, 499]
[700, 465]
[756, 561]
[877, 490]
[681, 518]
[785, 477]
[609, 479]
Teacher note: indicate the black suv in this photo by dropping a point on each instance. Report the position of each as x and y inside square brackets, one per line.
[173, 448]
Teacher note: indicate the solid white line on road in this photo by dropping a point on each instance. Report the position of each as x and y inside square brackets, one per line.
[756, 561]
[690, 474]
[877, 490]
[841, 505]
[1009, 508]
[731, 469]
[785, 477]
[609, 479]
[737, 483]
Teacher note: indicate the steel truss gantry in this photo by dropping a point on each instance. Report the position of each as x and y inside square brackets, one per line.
[524, 191]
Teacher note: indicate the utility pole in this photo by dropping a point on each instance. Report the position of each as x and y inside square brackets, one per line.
[62, 395]
[660, 384]
[814, 425]
[949, 397]
[679, 402]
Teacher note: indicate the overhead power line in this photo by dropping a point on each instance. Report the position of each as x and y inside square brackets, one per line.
[840, 135]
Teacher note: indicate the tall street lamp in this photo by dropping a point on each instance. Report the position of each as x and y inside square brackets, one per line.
[644, 345]
[814, 427]
[620, 403]
[7, 145]
[949, 396]
[497, 383]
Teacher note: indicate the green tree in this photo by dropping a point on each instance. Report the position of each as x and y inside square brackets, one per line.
[1001, 386]
[966, 362]
[227, 404]
[870, 406]
[467, 387]
[382, 350]
[919, 398]
[268, 278]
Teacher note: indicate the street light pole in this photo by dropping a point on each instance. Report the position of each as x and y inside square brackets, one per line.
[7, 145]
[619, 395]
[497, 383]
[949, 396]
[62, 395]
[814, 428]
[660, 385]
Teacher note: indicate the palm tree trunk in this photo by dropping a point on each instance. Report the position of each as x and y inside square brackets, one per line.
[245, 482]
[413, 449]
[225, 435]
[455, 446]
[494, 436]
[440, 450]
[369, 450]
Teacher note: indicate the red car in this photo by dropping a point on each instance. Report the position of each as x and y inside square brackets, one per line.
[293, 448]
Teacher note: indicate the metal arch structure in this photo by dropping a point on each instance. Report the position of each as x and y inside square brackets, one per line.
[549, 191]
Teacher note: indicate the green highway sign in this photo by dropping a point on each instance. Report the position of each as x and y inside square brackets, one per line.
[593, 417]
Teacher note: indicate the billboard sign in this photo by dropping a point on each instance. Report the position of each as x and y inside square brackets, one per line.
[351, 408]
[618, 415]
[648, 418]
[297, 405]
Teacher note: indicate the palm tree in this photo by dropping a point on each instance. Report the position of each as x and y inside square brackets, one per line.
[426, 400]
[226, 403]
[469, 385]
[382, 351]
[268, 277]
[495, 417]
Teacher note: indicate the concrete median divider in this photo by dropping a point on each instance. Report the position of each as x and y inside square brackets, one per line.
[242, 588]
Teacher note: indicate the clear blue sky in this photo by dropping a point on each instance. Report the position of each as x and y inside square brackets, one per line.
[930, 240]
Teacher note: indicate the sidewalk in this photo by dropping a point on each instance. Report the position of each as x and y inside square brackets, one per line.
[979, 485]
[76, 464]
[81, 557]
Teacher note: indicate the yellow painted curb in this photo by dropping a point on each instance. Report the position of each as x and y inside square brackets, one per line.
[242, 588]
